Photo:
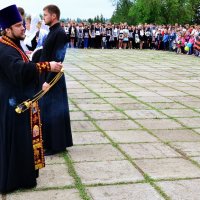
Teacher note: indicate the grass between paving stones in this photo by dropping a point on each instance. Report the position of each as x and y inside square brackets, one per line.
[54, 188]
[147, 104]
[131, 96]
[185, 155]
[117, 183]
[176, 179]
[146, 177]
[156, 187]
[78, 183]
[43, 189]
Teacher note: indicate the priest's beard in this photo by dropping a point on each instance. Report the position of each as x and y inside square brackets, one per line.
[17, 36]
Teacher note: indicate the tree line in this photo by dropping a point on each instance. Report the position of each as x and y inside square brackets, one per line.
[97, 19]
[156, 11]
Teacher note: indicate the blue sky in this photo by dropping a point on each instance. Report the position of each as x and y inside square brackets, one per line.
[69, 8]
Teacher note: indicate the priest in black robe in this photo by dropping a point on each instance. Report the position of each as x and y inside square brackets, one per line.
[19, 161]
[54, 106]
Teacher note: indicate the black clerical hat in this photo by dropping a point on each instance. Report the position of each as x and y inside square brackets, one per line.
[9, 16]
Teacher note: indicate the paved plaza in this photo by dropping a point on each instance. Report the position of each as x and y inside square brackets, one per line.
[135, 117]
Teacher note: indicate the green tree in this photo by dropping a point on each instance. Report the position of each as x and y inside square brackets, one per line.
[162, 11]
[90, 20]
[79, 20]
[146, 11]
[97, 19]
[195, 7]
[156, 11]
[102, 19]
[121, 13]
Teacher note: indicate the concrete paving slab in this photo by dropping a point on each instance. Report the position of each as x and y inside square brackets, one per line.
[71, 194]
[121, 100]
[105, 90]
[189, 148]
[77, 91]
[125, 192]
[102, 152]
[192, 104]
[111, 95]
[145, 94]
[126, 85]
[131, 136]
[183, 189]
[149, 150]
[185, 99]
[74, 84]
[185, 89]
[111, 125]
[148, 82]
[91, 106]
[89, 101]
[194, 92]
[144, 114]
[72, 107]
[83, 96]
[129, 106]
[107, 172]
[159, 123]
[169, 168]
[54, 159]
[55, 175]
[89, 138]
[190, 122]
[99, 85]
[132, 88]
[82, 126]
[154, 99]
[171, 94]
[161, 89]
[78, 116]
[102, 115]
[185, 135]
[180, 113]
[172, 105]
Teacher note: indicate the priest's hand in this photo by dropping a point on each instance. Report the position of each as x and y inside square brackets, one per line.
[45, 86]
[55, 66]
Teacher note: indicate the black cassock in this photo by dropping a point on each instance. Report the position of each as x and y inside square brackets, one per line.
[17, 80]
[54, 105]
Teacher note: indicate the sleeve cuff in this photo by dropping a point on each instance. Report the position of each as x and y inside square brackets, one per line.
[43, 66]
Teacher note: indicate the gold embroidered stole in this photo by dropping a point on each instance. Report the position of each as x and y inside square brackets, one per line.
[37, 136]
[34, 116]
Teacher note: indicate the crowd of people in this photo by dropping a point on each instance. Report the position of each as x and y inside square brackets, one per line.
[177, 38]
